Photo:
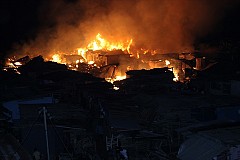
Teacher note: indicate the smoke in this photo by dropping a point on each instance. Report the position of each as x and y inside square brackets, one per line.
[167, 25]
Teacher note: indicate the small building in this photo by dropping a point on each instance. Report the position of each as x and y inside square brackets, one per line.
[218, 79]
[211, 143]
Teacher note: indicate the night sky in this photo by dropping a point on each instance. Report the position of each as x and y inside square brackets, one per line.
[228, 27]
[19, 21]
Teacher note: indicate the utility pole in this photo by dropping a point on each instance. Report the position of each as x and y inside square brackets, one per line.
[46, 131]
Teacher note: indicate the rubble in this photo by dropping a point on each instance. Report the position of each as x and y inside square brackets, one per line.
[144, 116]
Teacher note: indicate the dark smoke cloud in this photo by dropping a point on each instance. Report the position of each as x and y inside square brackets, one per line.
[168, 25]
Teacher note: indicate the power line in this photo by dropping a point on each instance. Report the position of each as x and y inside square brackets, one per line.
[29, 131]
[60, 137]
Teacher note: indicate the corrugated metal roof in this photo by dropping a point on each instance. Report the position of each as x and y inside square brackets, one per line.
[228, 135]
[10, 148]
[199, 147]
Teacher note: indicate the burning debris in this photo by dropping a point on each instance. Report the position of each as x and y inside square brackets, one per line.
[13, 63]
[138, 47]
[111, 60]
[142, 34]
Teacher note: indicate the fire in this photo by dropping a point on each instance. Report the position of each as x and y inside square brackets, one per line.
[116, 88]
[100, 43]
[97, 44]
[91, 62]
[82, 52]
[167, 62]
[57, 58]
[117, 78]
[175, 72]
[176, 76]
[90, 55]
[18, 63]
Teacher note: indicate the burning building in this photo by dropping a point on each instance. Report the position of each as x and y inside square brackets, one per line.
[109, 38]
[112, 60]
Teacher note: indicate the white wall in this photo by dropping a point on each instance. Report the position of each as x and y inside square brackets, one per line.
[13, 106]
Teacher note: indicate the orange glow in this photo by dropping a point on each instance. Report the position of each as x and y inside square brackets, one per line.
[117, 78]
[91, 62]
[82, 52]
[100, 43]
[167, 62]
[57, 58]
[115, 88]
[95, 49]
[176, 76]
[18, 63]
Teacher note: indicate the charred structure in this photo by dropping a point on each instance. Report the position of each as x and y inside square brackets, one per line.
[113, 80]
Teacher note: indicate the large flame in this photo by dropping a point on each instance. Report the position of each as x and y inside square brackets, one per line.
[57, 58]
[101, 44]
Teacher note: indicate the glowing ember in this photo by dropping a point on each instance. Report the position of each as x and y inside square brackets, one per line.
[115, 88]
[117, 78]
[176, 76]
[82, 52]
[167, 62]
[18, 63]
[91, 62]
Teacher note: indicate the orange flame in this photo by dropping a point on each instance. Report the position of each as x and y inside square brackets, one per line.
[167, 62]
[57, 58]
[100, 43]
